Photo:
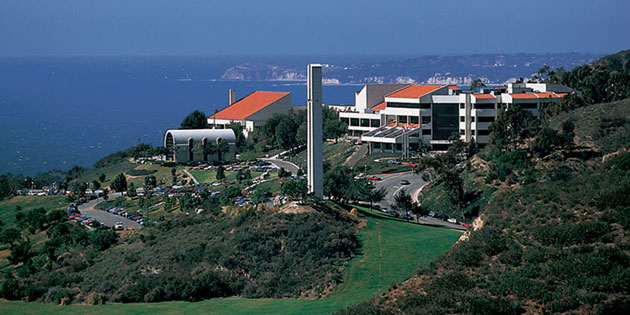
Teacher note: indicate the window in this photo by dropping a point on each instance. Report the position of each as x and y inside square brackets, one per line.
[402, 105]
[365, 122]
[402, 119]
[462, 132]
[426, 120]
[354, 121]
[413, 119]
[472, 132]
[375, 122]
[425, 106]
[426, 132]
[462, 105]
[485, 119]
[484, 106]
[472, 118]
[445, 121]
[462, 119]
[482, 132]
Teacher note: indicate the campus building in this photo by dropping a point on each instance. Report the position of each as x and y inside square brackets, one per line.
[252, 111]
[199, 145]
[410, 115]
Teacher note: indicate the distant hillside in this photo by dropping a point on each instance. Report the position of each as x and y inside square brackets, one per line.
[461, 69]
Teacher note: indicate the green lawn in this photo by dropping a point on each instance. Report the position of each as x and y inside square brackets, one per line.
[391, 252]
[383, 167]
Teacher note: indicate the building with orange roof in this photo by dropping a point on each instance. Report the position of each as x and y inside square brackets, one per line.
[251, 111]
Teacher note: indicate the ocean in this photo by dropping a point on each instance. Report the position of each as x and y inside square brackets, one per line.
[60, 112]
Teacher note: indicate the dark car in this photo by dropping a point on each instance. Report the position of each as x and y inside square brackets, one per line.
[404, 182]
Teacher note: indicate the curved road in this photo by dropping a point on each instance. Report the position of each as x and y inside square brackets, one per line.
[105, 217]
[391, 183]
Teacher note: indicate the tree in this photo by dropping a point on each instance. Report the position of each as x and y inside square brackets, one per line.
[477, 83]
[295, 189]
[220, 173]
[511, 127]
[120, 183]
[222, 148]
[96, 185]
[333, 128]
[301, 134]
[21, 252]
[238, 131]
[419, 211]
[150, 181]
[195, 120]
[102, 178]
[376, 195]
[403, 201]
[260, 196]
[285, 133]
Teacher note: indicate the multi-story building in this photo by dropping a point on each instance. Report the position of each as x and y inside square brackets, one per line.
[410, 115]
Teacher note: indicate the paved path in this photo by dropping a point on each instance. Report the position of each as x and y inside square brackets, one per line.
[356, 156]
[289, 166]
[391, 183]
[191, 177]
[105, 217]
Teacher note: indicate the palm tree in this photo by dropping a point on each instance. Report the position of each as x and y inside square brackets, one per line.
[376, 195]
[222, 147]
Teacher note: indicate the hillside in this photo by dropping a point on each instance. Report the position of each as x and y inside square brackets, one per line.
[553, 239]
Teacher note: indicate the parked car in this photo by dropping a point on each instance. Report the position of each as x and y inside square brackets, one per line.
[452, 220]
[119, 226]
[374, 178]
[407, 217]
[404, 182]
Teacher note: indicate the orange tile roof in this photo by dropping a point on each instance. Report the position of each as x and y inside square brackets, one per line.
[415, 91]
[546, 95]
[453, 87]
[523, 96]
[562, 94]
[249, 105]
[484, 96]
[379, 107]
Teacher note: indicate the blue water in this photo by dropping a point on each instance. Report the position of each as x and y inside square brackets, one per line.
[58, 112]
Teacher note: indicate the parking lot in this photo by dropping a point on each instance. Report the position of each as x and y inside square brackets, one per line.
[104, 217]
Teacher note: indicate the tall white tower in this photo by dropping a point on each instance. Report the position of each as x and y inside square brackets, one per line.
[315, 140]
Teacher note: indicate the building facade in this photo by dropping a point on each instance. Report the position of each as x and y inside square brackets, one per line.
[200, 145]
[431, 114]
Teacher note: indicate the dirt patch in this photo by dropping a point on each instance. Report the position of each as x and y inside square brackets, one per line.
[296, 208]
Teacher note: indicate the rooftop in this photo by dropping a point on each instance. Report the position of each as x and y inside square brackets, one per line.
[415, 91]
[484, 96]
[249, 105]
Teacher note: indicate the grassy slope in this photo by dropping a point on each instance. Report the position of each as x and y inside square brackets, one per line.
[8, 211]
[588, 124]
[391, 252]
[335, 153]
[374, 167]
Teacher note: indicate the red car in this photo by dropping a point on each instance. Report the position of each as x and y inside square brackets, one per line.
[374, 178]
[411, 164]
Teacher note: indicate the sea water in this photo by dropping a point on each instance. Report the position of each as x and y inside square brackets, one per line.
[60, 112]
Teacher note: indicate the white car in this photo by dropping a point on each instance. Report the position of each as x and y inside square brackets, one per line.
[119, 226]
[452, 220]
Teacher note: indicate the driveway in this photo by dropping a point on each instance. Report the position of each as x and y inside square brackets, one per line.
[284, 164]
[391, 183]
[356, 156]
[105, 217]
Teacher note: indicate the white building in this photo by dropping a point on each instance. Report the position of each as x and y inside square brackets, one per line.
[432, 114]
[252, 111]
[199, 145]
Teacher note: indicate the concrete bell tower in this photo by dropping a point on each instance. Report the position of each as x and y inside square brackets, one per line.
[314, 137]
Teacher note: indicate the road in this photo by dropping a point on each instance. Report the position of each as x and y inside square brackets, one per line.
[284, 164]
[105, 217]
[391, 183]
[356, 156]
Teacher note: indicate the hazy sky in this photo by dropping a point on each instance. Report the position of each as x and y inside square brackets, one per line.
[318, 27]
